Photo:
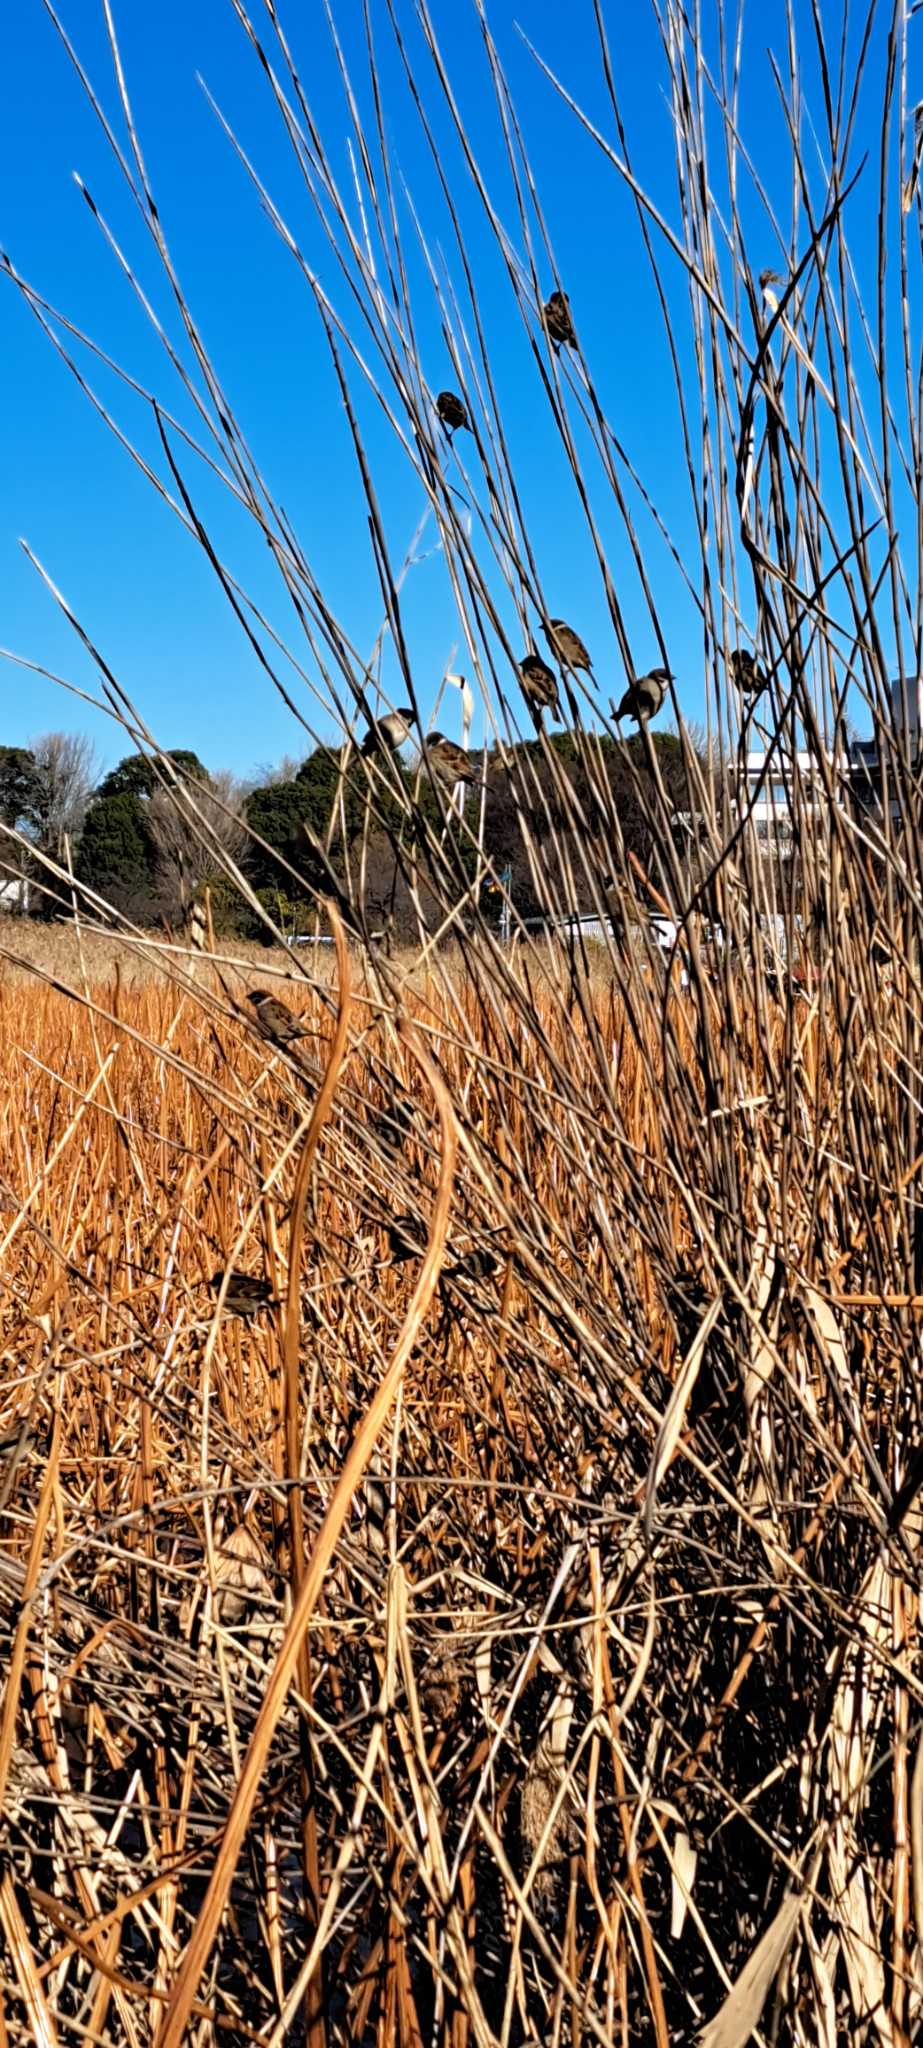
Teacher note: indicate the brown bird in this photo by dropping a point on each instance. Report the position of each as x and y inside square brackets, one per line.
[566, 645]
[478, 1264]
[389, 732]
[539, 684]
[558, 321]
[643, 697]
[22, 1436]
[747, 672]
[452, 412]
[275, 1020]
[246, 1293]
[450, 763]
[394, 1125]
[407, 1238]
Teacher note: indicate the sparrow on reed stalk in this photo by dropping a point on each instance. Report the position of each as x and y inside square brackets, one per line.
[558, 321]
[478, 1264]
[450, 763]
[747, 672]
[274, 1019]
[566, 645]
[390, 732]
[539, 684]
[407, 1237]
[452, 412]
[22, 1436]
[246, 1293]
[643, 697]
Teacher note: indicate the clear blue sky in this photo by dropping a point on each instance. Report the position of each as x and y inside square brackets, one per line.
[140, 586]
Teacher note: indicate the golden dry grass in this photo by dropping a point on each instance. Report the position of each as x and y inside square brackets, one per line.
[459, 1782]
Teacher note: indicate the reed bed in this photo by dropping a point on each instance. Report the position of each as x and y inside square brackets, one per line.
[609, 1639]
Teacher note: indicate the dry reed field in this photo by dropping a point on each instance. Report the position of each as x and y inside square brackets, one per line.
[603, 1631]
[461, 1436]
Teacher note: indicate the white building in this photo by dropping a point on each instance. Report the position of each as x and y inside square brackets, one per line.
[773, 786]
[14, 896]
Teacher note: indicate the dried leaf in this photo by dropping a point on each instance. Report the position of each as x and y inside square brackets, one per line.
[685, 1860]
[734, 2024]
[671, 1427]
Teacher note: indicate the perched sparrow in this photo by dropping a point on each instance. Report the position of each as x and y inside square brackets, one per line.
[22, 1436]
[643, 697]
[539, 684]
[558, 321]
[394, 1124]
[407, 1237]
[566, 645]
[246, 1293]
[275, 1020]
[478, 1264]
[452, 412]
[389, 732]
[747, 673]
[449, 762]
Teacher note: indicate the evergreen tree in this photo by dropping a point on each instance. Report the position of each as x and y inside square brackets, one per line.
[136, 775]
[20, 787]
[116, 854]
[275, 813]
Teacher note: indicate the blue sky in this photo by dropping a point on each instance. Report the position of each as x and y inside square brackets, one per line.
[140, 587]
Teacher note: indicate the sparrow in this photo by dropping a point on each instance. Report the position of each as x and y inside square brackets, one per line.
[478, 1264]
[643, 697]
[747, 672]
[246, 1293]
[22, 1436]
[452, 412]
[449, 762]
[558, 321]
[394, 1124]
[407, 1237]
[275, 1020]
[390, 731]
[539, 684]
[566, 645]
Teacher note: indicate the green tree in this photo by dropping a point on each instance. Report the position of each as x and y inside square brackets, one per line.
[137, 776]
[278, 810]
[118, 853]
[20, 787]
[275, 813]
[117, 856]
[317, 781]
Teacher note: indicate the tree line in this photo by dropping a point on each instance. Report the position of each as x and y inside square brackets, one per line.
[129, 838]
